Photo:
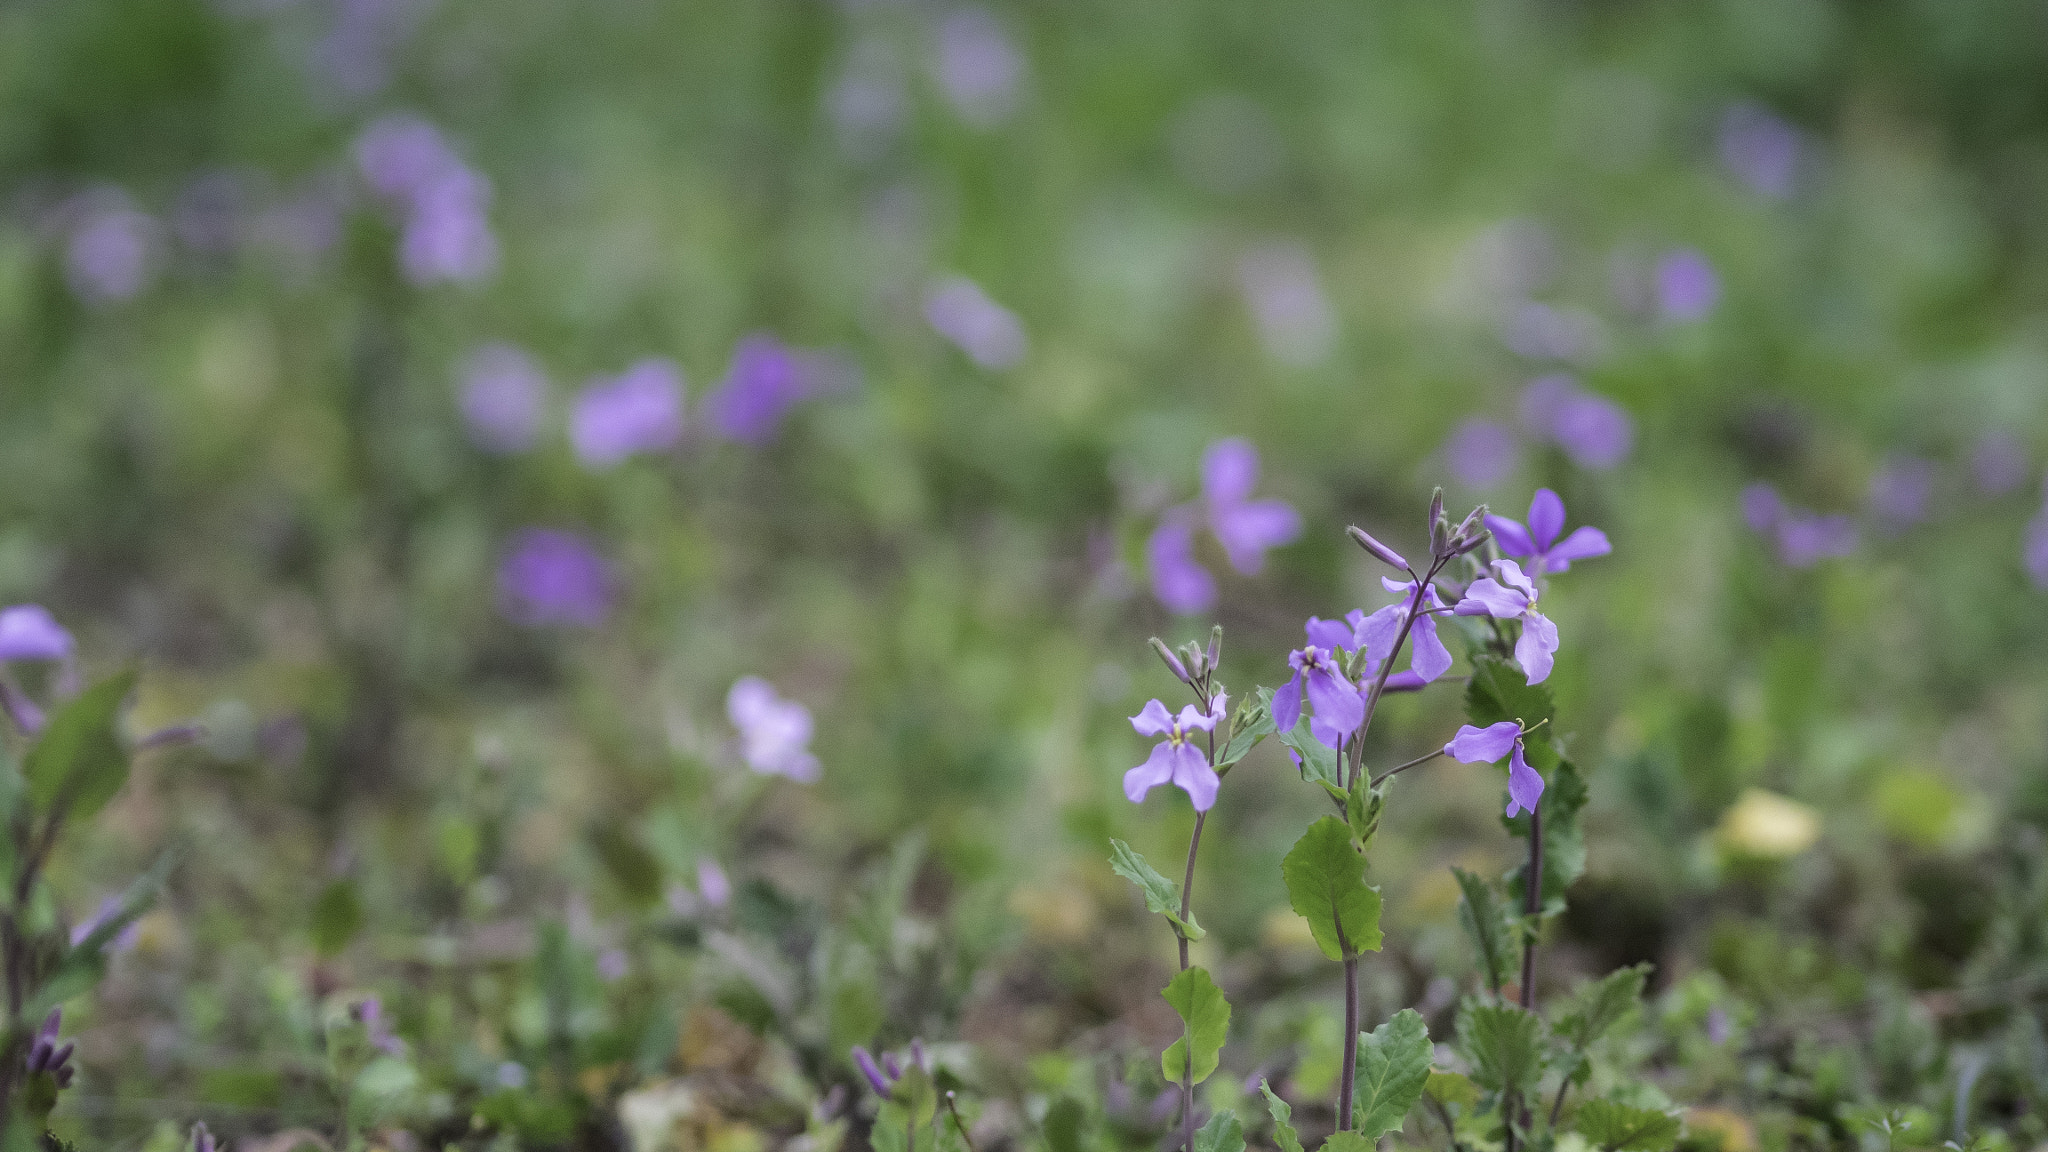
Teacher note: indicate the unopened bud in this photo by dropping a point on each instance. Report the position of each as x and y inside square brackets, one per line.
[1467, 543]
[1171, 661]
[1215, 645]
[1192, 656]
[1383, 553]
[1438, 535]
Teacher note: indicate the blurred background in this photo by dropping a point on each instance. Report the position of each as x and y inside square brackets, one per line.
[452, 404]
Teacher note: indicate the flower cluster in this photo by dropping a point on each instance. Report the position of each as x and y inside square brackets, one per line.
[443, 204]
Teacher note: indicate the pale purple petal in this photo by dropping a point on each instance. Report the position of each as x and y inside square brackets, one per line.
[1330, 634]
[1156, 770]
[112, 254]
[1487, 597]
[1537, 647]
[1761, 507]
[1409, 681]
[1192, 718]
[765, 381]
[1805, 539]
[1336, 700]
[1483, 745]
[990, 334]
[1246, 531]
[29, 632]
[1525, 786]
[1760, 149]
[1546, 518]
[1582, 544]
[1482, 453]
[1287, 704]
[1513, 538]
[550, 577]
[775, 734]
[1153, 719]
[1230, 470]
[1180, 584]
[1510, 574]
[1999, 463]
[1323, 734]
[978, 67]
[1594, 431]
[1431, 658]
[1377, 633]
[639, 411]
[1192, 773]
[712, 883]
[1902, 491]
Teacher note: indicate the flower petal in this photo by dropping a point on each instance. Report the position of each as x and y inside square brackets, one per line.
[1180, 584]
[1287, 705]
[1230, 470]
[1483, 745]
[1525, 785]
[1336, 699]
[1510, 574]
[1535, 649]
[1431, 658]
[1325, 735]
[1582, 544]
[1194, 776]
[1486, 597]
[1153, 719]
[1376, 634]
[1514, 539]
[1247, 530]
[1156, 770]
[29, 632]
[1192, 718]
[1331, 634]
[1546, 518]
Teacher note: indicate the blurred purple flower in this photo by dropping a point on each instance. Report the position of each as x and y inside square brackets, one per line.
[369, 1012]
[1176, 760]
[1513, 597]
[1376, 634]
[1761, 507]
[108, 908]
[978, 67]
[775, 734]
[868, 104]
[1538, 331]
[766, 380]
[866, 1063]
[401, 155]
[1180, 583]
[713, 887]
[2034, 549]
[552, 577]
[1295, 321]
[1902, 490]
[46, 1055]
[1482, 453]
[1762, 150]
[111, 255]
[1486, 746]
[1594, 431]
[29, 632]
[504, 398]
[1246, 528]
[1805, 539]
[1999, 463]
[1537, 545]
[1687, 287]
[444, 204]
[355, 53]
[640, 410]
[987, 332]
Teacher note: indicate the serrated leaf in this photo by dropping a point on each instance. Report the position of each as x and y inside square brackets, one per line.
[1318, 760]
[1348, 1142]
[1451, 1088]
[1246, 736]
[1597, 1005]
[1488, 926]
[80, 758]
[1283, 1130]
[1501, 1042]
[1326, 886]
[1223, 1133]
[1161, 894]
[1498, 691]
[1206, 1013]
[1393, 1066]
[1615, 1127]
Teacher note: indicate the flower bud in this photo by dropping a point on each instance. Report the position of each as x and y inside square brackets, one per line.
[1215, 645]
[1171, 661]
[1465, 544]
[1191, 655]
[1438, 530]
[1380, 551]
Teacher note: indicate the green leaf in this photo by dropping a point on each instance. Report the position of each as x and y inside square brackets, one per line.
[1564, 841]
[337, 917]
[1245, 736]
[1362, 809]
[1062, 1125]
[1498, 691]
[891, 1132]
[1597, 1005]
[1283, 1131]
[915, 1092]
[1488, 925]
[1223, 1133]
[1393, 1066]
[1318, 760]
[1161, 894]
[1348, 1142]
[1451, 1088]
[1619, 1128]
[80, 757]
[1501, 1043]
[1207, 1014]
[631, 866]
[1326, 886]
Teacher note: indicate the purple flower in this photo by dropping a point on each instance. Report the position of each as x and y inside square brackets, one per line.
[1482, 453]
[504, 398]
[29, 632]
[775, 734]
[987, 332]
[1375, 634]
[202, 1140]
[1513, 597]
[1760, 149]
[1339, 707]
[1176, 760]
[1295, 320]
[1805, 539]
[978, 67]
[369, 1012]
[1593, 430]
[766, 380]
[866, 1063]
[640, 410]
[2034, 549]
[1486, 746]
[1761, 507]
[444, 205]
[1180, 583]
[1246, 528]
[1999, 463]
[1902, 490]
[712, 884]
[551, 577]
[1687, 288]
[1537, 544]
[112, 252]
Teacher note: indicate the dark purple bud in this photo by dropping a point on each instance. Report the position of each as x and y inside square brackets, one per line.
[38, 1055]
[1385, 554]
[1466, 544]
[202, 1140]
[175, 734]
[59, 1058]
[1171, 661]
[866, 1064]
[890, 1066]
[1215, 645]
